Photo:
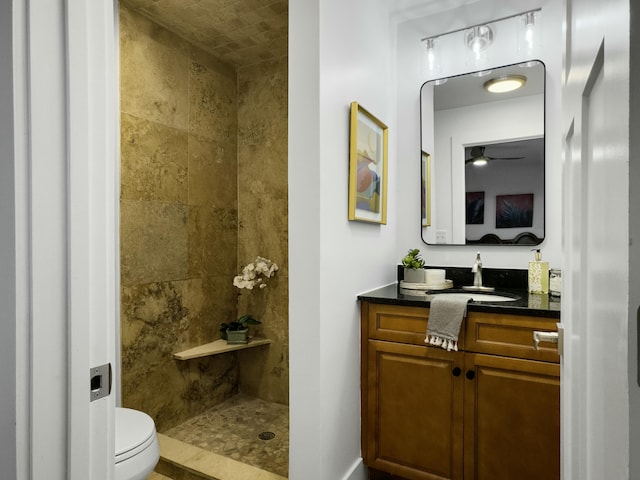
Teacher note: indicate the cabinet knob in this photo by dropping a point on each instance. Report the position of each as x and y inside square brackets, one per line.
[470, 374]
[456, 372]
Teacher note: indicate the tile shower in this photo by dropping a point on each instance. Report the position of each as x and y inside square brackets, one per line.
[203, 191]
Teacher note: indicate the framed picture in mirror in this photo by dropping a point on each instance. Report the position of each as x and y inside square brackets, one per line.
[475, 208]
[426, 189]
[514, 211]
[368, 148]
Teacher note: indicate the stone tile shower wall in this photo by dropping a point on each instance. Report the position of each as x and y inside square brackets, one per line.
[262, 214]
[179, 220]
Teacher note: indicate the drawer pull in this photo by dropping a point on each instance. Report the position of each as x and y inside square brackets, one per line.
[538, 336]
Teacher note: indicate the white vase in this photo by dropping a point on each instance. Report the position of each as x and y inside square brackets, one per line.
[412, 275]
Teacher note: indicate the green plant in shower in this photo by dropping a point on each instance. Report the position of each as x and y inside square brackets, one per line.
[240, 324]
[413, 260]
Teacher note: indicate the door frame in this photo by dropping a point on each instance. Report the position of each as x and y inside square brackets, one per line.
[59, 236]
[596, 302]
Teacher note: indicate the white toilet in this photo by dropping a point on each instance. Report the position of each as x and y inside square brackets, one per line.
[137, 449]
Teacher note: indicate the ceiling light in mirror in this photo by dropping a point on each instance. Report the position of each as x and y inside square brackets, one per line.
[505, 83]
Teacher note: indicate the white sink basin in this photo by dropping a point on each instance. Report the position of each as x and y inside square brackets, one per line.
[481, 297]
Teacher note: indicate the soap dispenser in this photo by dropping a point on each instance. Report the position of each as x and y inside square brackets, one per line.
[538, 274]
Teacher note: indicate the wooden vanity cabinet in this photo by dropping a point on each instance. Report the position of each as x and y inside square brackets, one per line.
[511, 418]
[512, 403]
[429, 414]
[416, 410]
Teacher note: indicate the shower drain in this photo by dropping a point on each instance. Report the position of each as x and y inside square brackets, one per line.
[266, 436]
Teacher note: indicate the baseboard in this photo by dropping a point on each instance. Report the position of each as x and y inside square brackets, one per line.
[357, 471]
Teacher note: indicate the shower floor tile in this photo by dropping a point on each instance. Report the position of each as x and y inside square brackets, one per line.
[242, 428]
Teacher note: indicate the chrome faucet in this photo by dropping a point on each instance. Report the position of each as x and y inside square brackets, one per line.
[477, 277]
[477, 270]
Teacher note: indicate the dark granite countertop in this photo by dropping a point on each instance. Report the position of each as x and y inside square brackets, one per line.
[524, 304]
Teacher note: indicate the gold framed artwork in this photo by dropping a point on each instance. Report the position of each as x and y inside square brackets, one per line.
[425, 194]
[368, 148]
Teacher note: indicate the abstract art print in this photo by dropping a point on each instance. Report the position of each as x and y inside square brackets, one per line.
[475, 208]
[514, 210]
[367, 167]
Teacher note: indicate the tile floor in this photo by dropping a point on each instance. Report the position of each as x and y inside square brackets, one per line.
[234, 429]
[157, 476]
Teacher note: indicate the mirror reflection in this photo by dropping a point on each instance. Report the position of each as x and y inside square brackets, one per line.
[485, 144]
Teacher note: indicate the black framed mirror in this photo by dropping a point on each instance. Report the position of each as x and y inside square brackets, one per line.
[483, 157]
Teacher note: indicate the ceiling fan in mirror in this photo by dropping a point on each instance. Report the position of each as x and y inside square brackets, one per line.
[478, 158]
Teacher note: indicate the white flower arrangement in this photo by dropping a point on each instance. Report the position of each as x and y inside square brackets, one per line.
[256, 274]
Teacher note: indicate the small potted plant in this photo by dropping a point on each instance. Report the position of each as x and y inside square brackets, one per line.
[236, 332]
[253, 275]
[413, 267]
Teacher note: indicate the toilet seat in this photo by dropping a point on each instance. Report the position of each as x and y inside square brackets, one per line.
[135, 431]
[137, 449]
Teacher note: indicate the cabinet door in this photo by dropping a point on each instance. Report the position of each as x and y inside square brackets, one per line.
[414, 411]
[512, 419]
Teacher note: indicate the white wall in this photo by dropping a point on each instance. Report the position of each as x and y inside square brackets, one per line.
[339, 52]
[411, 78]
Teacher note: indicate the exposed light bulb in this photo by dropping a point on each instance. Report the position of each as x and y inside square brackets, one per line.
[432, 63]
[529, 35]
[431, 58]
[476, 48]
[529, 24]
[477, 40]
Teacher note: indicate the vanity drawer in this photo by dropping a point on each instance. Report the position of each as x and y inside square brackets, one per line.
[510, 335]
[401, 324]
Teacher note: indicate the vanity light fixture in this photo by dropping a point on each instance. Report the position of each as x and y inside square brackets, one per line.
[482, 73]
[431, 58]
[478, 39]
[505, 83]
[529, 32]
[529, 21]
[480, 161]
